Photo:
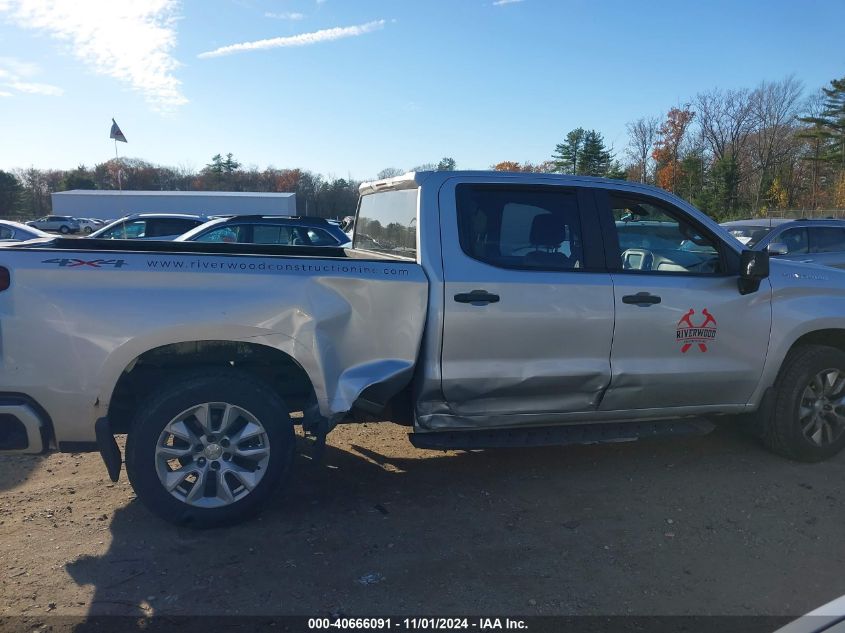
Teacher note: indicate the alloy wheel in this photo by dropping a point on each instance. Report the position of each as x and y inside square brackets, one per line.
[212, 455]
[821, 412]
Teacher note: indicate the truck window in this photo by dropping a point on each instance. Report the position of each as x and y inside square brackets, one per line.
[520, 227]
[795, 241]
[827, 239]
[387, 222]
[652, 239]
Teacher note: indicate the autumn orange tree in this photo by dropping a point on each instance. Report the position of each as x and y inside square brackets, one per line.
[545, 167]
[670, 135]
[507, 165]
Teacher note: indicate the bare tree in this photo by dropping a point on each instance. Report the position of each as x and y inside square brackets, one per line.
[390, 172]
[642, 134]
[774, 111]
[725, 120]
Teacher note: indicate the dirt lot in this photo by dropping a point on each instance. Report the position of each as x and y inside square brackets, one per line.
[704, 525]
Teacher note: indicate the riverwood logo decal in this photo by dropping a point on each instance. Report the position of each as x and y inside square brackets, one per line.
[689, 334]
[82, 263]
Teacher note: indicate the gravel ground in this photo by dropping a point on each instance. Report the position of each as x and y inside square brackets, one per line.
[698, 525]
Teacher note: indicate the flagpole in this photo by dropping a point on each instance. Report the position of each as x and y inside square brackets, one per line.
[117, 160]
[117, 135]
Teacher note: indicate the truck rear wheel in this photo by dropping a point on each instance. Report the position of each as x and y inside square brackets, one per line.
[210, 449]
[807, 418]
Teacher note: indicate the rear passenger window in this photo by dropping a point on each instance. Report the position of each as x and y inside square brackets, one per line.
[528, 228]
[270, 234]
[827, 240]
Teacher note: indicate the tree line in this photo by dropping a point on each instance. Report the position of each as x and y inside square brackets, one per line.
[732, 153]
[25, 193]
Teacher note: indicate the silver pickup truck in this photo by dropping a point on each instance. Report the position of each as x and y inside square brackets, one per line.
[479, 309]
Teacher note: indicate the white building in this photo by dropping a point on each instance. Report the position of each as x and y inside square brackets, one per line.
[106, 205]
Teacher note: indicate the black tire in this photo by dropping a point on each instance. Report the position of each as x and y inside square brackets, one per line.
[214, 386]
[781, 428]
[87, 230]
[64, 230]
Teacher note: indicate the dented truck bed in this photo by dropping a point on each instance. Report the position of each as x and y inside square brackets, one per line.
[78, 316]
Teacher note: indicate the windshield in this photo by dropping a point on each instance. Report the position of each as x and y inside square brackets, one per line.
[749, 235]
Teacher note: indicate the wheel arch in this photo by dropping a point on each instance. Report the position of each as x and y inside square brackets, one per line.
[148, 370]
[831, 337]
[823, 333]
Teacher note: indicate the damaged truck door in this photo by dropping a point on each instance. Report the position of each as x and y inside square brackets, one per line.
[528, 310]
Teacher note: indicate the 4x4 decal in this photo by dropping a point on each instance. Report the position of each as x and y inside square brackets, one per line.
[83, 263]
[689, 334]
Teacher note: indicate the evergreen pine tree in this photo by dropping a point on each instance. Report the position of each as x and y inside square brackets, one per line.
[834, 120]
[595, 157]
[566, 155]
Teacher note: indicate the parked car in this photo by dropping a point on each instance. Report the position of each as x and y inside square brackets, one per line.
[809, 241]
[268, 229]
[149, 226]
[17, 232]
[63, 224]
[487, 310]
[88, 226]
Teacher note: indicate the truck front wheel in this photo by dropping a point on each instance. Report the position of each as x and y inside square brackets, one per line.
[807, 418]
[210, 449]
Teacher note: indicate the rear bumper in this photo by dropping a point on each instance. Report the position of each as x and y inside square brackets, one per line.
[22, 428]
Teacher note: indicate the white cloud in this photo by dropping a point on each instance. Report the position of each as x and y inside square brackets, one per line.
[501, 3]
[14, 71]
[15, 66]
[129, 41]
[285, 16]
[5, 94]
[303, 39]
[35, 88]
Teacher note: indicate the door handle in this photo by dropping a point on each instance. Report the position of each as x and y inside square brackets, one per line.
[477, 297]
[642, 299]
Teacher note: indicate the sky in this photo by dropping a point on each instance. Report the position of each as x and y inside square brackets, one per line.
[347, 88]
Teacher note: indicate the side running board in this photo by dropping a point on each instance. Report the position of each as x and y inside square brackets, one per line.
[594, 433]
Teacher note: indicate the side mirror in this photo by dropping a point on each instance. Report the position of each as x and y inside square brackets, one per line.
[753, 268]
[777, 248]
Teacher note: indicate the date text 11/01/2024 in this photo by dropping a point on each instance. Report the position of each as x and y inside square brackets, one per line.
[430, 623]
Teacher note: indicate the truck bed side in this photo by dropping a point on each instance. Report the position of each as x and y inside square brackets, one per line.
[73, 321]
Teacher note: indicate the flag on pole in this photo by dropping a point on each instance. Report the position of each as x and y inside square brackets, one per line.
[116, 134]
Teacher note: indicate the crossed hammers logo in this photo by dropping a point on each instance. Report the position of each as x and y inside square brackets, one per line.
[690, 333]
